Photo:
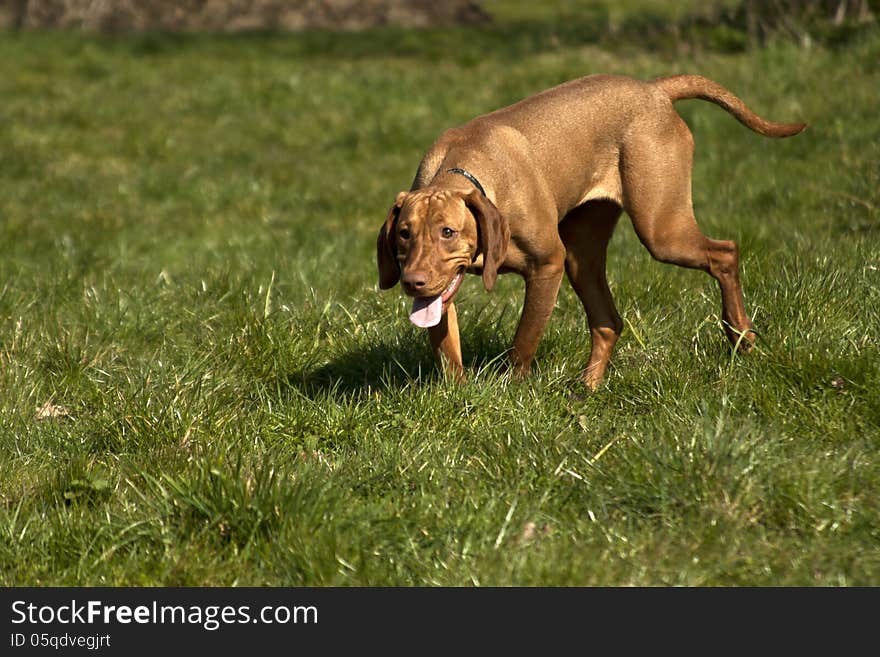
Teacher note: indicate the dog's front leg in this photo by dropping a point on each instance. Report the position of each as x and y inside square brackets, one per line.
[446, 343]
[542, 287]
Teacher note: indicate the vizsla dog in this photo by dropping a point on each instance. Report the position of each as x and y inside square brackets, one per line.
[536, 188]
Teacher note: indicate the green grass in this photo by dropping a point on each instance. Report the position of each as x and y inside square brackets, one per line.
[187, 274]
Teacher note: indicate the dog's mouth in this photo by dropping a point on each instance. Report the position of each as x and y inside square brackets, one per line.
[427, 311]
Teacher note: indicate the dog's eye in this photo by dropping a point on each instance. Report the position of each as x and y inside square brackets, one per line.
[447, 232]
[404, 234]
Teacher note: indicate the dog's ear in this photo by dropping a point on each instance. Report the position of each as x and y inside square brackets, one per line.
[386, 252]
[493, 235]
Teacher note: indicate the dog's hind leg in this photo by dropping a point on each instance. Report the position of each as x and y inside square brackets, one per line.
[586, 231]
[656, 176]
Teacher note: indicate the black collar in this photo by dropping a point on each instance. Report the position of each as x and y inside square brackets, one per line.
[469, 176]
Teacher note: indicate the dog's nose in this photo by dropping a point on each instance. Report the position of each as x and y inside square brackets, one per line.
[414, 280]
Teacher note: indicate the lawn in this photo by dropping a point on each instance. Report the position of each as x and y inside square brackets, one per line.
[201, 384]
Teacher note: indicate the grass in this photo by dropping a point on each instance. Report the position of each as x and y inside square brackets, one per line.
[188, 296]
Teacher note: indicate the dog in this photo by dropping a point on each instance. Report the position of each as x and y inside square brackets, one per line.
[537, 187]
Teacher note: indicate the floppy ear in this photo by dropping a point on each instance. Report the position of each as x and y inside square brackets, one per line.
[493, 232]
[386, 252]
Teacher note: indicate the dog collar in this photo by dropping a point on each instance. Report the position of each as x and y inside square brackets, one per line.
[469, 176]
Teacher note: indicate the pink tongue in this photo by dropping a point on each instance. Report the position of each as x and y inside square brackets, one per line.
[426, 311]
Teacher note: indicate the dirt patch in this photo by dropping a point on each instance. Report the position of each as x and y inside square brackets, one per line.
[235, 15]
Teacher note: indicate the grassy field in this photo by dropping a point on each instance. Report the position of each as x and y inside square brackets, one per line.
[200, 383]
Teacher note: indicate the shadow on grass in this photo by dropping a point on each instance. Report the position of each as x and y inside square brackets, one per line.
[363, 370]
[388, 365]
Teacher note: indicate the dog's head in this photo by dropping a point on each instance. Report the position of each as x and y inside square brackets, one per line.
[431, 236]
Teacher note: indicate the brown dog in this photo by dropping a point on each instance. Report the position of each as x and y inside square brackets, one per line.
[536, 188]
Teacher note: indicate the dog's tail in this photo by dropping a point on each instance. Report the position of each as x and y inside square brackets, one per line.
[682, 87]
